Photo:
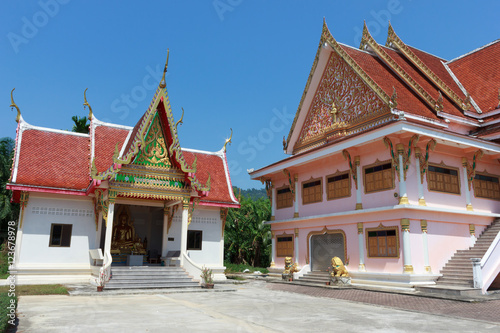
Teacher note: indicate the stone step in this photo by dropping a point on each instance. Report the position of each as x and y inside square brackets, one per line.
[150, 277]
[452, 290]
[144, 282]
[454, 280]
[314, 280]
[153, 286]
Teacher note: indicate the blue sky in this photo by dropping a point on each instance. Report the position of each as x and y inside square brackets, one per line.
[239, 64]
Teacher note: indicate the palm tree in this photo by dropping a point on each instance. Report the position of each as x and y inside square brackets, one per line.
[247, 240]
[81, 124]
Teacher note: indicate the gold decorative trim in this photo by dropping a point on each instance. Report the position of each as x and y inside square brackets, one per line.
[471, 168]
[291, 182]
[424, 160]
[472, 229]
[403, 201]
[295, 215]
[296, 231]
[325, 230]
[326, 37]
[360, 228]
[359, 206]
[227, 141]
[428, 269]
[423, 226]
[23, 203]
[352, 167]
[86, 104]
[397, 69]
[421, 202]
[405, 224]
[408, 269]
[394, 40]
[14, 105]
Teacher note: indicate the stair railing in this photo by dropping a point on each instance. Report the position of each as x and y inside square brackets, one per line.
[486, 269]
[105, 270]
[189, 265]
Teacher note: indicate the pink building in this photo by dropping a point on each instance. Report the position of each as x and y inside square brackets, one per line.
[394, 166]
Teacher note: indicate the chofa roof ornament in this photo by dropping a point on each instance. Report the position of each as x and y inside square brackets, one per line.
[14, 105]
[86, 104]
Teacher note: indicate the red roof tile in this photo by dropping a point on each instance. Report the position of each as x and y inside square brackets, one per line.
[479, 73]
[106, 138]
[209, 163]
[53, 159]
[407, 100]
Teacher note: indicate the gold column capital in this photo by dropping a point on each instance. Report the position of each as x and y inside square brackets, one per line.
[418, 152]
[357, 160]
[272, 234]
[112, 194]
[400, 148]
[296, 177]
[472, 229]
[296, 232]
[423, 225]
[360, 228]
[464, 162]
[405, 224]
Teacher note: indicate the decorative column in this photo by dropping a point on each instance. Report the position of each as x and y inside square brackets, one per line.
[273, 249]
[164, 242]
[361, 267]
[405, 227]
[465, 182]
[184, 228]
[273, 203]
[296, 198]
[296, 246]
[23, 203]
[420, 185]
[423, 226]
[403, 196]
[357, 163]
[472, 232]
[109, 223]
[99, 229]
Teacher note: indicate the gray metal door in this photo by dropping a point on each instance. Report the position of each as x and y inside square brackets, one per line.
[324, 248]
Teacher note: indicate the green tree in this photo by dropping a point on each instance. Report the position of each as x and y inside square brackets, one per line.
[81, 124]
[247, 239]
[8, 211]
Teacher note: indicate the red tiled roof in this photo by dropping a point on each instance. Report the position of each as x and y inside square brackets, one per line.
[213, 164]
[479, 73]
[407, 100]
[53, 159]
[105, 141]
[436, 65]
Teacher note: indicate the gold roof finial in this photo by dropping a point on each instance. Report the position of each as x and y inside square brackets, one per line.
[85, 104]
[14, 105]
[439, 103]
[364, 39]
[180, 120]
[163, 84]
[228, 141]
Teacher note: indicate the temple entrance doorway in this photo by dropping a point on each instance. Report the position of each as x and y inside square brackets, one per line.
[137, 235]
[324, 247]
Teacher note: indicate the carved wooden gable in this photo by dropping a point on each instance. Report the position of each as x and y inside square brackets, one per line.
[343, 101]
[154, 152]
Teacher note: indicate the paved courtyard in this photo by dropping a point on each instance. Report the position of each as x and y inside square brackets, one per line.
[255, 307]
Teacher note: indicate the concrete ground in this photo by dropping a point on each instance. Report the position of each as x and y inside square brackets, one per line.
[253, 307]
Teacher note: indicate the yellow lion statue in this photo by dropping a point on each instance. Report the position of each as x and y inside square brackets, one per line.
[338, 268]
[289, 267]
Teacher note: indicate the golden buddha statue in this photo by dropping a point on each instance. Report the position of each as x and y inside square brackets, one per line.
[124, 239]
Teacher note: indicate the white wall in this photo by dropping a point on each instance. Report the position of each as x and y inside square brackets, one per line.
[207, 220]
[43, 210]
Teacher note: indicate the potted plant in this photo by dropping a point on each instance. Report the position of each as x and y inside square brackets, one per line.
[208, 278]
[102, 279]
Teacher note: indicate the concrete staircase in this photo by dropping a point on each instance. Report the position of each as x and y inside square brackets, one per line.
[315, 277]
[142, 277]
[458, 270]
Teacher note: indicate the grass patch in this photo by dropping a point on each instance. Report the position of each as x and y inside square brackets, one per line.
[38, 289]
[238, 268]
[4, 266]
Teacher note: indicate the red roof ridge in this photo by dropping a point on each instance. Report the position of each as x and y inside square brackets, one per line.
[103, 123]
[24, 125]
[474, 51]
